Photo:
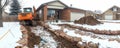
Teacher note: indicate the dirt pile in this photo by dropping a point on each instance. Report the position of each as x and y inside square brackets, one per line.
[32, 38]
[89, 20]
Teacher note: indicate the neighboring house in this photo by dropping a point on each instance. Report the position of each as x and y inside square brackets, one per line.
[59, 11]
[112, 14]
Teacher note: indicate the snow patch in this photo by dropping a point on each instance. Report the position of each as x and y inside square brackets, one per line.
[102, 43]
[104, 26]
[54, 27]
[47, 40]
[13, 35]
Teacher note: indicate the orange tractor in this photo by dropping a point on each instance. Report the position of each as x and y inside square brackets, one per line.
[27, 17]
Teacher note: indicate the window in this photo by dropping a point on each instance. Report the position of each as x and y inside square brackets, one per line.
[27, 9]
[114, 9]
[51, 13]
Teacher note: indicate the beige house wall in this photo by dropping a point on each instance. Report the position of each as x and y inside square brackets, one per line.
[109, 12]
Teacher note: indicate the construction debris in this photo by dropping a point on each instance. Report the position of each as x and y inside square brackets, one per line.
[89, 20]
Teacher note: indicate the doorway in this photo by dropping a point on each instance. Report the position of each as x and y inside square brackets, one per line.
[54, 14]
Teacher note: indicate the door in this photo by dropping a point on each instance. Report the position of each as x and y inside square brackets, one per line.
[108, 17]
[76, 16]
[118, 16]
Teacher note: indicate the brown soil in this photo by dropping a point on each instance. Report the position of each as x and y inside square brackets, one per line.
[32, 38]
[63, 43]
[89, 20]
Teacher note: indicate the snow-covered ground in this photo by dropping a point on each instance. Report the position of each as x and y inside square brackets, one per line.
[12, 33]
[104, 26]
[9, 34]
[103, 43]
[47, 40]
[54, 27]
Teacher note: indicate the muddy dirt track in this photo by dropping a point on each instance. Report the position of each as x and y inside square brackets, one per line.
[61, 42]
[59, 36]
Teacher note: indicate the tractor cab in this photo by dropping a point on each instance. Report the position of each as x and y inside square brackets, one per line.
[27, 10]
[26, 15]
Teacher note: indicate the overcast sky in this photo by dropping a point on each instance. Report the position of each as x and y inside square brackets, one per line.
[82, 4]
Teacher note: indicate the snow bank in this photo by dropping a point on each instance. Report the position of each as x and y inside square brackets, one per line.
[10, 39]
[102, 43]
[104, 26]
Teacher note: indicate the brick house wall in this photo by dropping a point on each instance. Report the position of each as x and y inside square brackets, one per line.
[45, 13]
[77, 10]
[66, 14]
[65, 11]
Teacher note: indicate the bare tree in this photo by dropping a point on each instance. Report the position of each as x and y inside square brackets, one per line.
[2, 6]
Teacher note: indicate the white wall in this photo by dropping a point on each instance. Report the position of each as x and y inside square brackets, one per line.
[108, 17]
[56, 5]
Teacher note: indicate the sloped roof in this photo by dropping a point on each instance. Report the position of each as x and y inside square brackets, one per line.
[42, 5]
[77, 9]
[72, 8]
[118, 9]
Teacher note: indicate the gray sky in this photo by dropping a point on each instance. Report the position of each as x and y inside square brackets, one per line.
[82, 4]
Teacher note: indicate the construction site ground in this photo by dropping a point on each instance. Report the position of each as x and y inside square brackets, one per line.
[51, 40]
[60, 35]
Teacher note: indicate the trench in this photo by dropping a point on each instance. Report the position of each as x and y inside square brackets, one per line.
[51, 40]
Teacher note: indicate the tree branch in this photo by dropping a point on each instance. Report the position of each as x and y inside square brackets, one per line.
[5, 4]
